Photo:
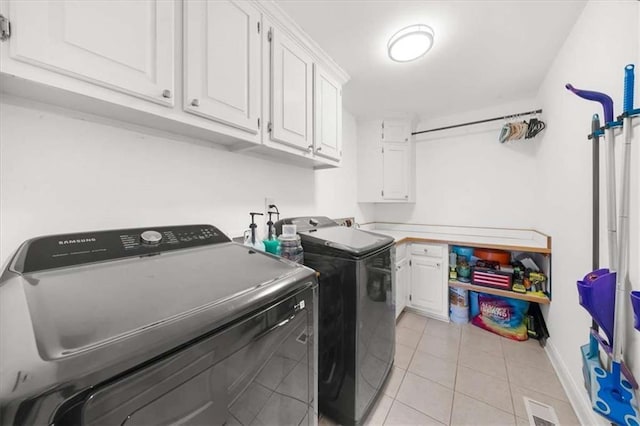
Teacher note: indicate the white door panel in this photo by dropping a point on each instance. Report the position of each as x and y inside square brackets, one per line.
[395, 131]
[291, 92]
[395, 173]
[126, 46]
[222, 62]
[328, 115]
[427, 285]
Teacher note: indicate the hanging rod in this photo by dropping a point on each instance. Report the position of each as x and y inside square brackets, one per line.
[537, 111]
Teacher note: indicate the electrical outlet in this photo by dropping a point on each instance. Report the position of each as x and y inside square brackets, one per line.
[267, 202]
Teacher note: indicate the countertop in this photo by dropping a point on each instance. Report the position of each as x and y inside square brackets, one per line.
[499, 238]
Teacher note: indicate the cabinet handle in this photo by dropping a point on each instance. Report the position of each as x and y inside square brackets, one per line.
[195, 103]
[166, 93]
[406, 197]
[426, 250]
[437, 265]
[319, 148]
[310, 148]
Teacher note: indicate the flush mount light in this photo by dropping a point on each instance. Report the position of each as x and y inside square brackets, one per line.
[410, 43]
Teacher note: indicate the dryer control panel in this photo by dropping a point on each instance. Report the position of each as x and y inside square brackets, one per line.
[65, 250]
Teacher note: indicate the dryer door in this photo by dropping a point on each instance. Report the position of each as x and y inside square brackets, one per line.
[258, 370]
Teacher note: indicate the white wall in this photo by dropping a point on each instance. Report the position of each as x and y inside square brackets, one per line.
[336, 189]
[465, 176]
[62, 171]
[603, 40]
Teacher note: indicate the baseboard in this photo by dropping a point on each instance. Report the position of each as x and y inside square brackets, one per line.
[575, 391]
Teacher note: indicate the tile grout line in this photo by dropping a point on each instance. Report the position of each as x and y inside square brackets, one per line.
[513, 406]
[455, 379]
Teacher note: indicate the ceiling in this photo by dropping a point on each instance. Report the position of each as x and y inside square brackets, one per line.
[485, 52]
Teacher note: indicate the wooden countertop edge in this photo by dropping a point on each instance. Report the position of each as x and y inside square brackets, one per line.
[477, 245]
[506, 293]
[504, 247]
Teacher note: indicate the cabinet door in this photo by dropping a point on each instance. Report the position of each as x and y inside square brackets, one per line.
[328, 115]
[428, 287]
[402, 285]
[395, 182]
[291, 92]
[396, 131]
[222, 62]
[127, 46]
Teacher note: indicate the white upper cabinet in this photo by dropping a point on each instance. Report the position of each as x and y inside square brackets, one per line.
[395, 176]
[398, 131]
[386, 170]
[291, 92]
[243, 71]
[328, 114]
[222, 62]
[126, 46]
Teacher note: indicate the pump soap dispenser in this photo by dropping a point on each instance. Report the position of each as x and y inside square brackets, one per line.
[250, 238]
[271, 242]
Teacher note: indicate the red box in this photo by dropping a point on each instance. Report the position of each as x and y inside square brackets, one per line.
[491, 278]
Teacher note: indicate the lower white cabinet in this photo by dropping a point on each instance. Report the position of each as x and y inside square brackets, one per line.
[428, 288]
[402, 285]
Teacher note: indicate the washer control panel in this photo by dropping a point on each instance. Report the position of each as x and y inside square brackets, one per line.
[57, 251]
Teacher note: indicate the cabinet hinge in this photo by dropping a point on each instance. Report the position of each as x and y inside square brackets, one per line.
[382, 192]
[409, 298]
[258, 123]
[270, 34]
[409, 263]
[258, 27]
[383, 149]
[5, 28]
[269, 127]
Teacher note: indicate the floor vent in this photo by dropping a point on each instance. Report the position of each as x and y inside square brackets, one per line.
[540, 414]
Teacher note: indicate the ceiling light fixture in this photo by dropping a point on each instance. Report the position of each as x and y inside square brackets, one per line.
[410, 43]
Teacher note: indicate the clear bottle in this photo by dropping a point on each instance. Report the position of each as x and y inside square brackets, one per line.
[290, 244]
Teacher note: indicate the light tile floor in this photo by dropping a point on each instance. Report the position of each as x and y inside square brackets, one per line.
[452, 374]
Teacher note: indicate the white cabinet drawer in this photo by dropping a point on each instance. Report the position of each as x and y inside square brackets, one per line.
[401, 251]
[431, 250]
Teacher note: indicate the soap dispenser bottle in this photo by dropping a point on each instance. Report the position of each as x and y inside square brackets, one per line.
[271, 242]
[250, 238]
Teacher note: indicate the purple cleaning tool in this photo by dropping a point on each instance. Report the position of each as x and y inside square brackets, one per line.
[635, 302]
[605, 100]
[597, 292]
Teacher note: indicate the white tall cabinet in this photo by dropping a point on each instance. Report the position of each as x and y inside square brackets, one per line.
[386, 162]
[124, 46]
[222, 62]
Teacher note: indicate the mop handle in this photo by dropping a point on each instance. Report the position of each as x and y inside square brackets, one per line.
[605, 100]
[629, 78]
[625, 193]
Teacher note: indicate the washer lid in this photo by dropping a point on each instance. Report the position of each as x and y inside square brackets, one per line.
[354, 242]
[84, 307]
